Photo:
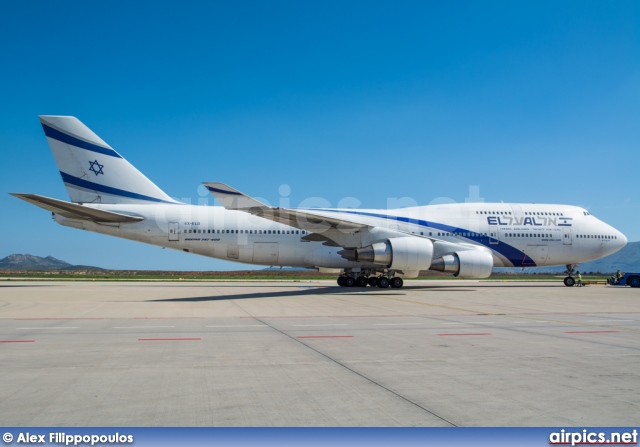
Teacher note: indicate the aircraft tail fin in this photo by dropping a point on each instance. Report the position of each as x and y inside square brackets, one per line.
[93, 171]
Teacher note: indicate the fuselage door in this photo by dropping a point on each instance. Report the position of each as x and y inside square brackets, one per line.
[538, 253]
[174, 231]
[566, 236]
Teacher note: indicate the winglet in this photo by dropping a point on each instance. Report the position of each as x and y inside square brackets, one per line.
[233, 199]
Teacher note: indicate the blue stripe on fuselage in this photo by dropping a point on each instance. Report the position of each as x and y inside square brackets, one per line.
[69, 139]
[517, 257]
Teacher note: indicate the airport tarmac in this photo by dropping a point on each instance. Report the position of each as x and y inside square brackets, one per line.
[310, 353]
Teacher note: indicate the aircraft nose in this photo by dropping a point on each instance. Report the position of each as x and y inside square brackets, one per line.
[622, 239]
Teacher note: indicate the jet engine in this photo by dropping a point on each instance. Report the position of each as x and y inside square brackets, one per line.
[400, 253]
[465, 264]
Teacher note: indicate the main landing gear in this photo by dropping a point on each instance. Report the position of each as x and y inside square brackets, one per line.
[382, 282]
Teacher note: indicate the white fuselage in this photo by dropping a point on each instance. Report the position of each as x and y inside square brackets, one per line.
[517, 235]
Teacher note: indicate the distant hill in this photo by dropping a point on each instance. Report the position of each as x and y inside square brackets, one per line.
[627, 260]
[30, 262]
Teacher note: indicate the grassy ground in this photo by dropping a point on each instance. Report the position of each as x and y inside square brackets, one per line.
[236, 276]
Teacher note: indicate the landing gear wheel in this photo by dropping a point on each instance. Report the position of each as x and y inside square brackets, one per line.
[569, 281]
[348, 281]
[396, 282]
[634, 281]
[373, 281]
[341, 281]
[361, 281]
[383, 282]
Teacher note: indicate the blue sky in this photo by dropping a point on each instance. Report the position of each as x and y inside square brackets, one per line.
[528, 101]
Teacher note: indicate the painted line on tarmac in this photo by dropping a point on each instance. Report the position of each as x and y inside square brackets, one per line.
[398, 324]
[604, 321]
[592, 332]
[167, 318]
[17, 341]
[319, 325]
[139, 327]
[325, 336]
[529, 319]
[241, 325]
[365, 377]
[331, 316]
[456, 335]
[169, 339]
[55, 319]
[29, 328]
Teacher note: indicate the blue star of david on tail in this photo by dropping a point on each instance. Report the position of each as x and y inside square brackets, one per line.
[96, 167]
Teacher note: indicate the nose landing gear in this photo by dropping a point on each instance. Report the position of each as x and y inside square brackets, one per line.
[569, 281]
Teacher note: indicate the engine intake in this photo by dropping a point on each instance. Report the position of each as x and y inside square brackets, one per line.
[401, 253]
[465, 264]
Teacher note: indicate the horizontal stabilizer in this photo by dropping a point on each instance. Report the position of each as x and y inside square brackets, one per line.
[233, 199]
[75, 211]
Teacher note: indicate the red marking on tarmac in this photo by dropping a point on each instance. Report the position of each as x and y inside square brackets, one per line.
[334, 316]
[591, 332]
[17, 341]
[56, 319]
[371, 316]
[325, 336]
[270, 316]
[167, 318]
[169, 339]
[447, 335]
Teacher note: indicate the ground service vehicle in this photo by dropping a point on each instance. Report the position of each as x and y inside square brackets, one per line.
[627, 279]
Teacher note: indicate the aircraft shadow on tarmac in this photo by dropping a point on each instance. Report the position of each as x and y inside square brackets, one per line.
[302, 291]
[314, 291]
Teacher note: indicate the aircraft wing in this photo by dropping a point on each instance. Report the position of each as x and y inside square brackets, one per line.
[233, 199]
[75, 211]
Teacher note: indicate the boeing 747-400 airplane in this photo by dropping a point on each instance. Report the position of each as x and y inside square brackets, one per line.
[369, 246]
